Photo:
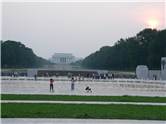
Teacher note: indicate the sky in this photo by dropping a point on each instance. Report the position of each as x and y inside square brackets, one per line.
[80, 28]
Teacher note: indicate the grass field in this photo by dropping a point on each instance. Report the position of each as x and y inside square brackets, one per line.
[112, 111]
[35, 110]
[84, 98]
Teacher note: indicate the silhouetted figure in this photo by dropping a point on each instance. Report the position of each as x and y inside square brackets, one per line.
[72, 83]
[51, 85]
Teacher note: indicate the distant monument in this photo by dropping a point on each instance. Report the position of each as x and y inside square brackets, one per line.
[163, 68]
[62, 58]
[142, 72]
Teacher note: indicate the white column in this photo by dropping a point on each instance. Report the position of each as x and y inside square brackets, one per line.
[163, 68]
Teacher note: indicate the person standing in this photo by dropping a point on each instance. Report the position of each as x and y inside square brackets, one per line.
[51, 85]
[72, 83]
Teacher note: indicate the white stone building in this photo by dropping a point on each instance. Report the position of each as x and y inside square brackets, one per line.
[62, 58]
[142, 72]
[163, 68]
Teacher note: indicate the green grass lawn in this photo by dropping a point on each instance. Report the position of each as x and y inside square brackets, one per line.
[84, 98]
[35, 110]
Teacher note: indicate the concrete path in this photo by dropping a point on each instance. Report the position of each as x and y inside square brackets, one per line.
[98, 88]
[75, 121]
[82, 102]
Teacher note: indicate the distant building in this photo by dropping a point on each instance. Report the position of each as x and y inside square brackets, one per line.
[62, 58]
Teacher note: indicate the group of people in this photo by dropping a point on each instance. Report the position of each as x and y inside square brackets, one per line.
[88, 89]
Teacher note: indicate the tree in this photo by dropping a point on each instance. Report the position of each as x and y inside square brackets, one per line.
[15, 54]
[146, 48]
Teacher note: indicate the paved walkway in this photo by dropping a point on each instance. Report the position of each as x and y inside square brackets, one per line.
[81, 102]
[98, 88]
[75, 121]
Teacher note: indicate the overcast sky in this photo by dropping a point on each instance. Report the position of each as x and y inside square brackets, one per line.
[78, 28]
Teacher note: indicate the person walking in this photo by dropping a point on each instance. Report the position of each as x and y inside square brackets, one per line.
[51, 85]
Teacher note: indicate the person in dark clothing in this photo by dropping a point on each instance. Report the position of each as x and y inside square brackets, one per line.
[72, 83]
[51, 85]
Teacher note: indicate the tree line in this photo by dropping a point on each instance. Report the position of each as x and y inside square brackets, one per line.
[146, 48]
[17, 55]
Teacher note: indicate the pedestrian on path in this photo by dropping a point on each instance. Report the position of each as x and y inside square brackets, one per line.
[51, 85]
[72, 83]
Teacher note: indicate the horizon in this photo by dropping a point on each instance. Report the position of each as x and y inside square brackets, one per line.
[86, 27]
[72, 53]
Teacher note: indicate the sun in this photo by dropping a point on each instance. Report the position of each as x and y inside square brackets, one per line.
[153, 23]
